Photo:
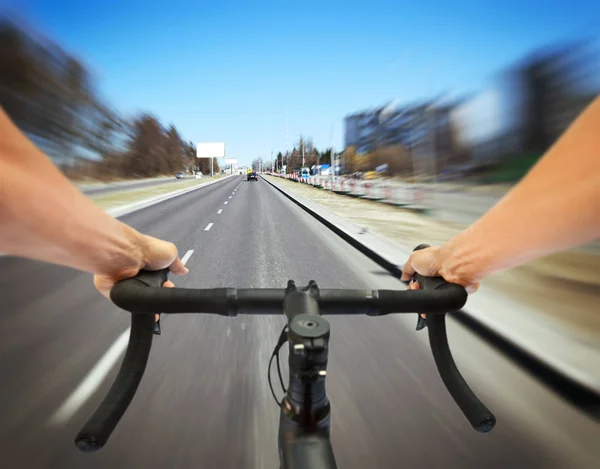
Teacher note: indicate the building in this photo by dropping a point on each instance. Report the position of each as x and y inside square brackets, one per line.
[412, 138]
[526, 108]
[361, 130]
[518, 116]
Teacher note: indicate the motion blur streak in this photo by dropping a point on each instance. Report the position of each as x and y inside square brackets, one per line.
[204, 400]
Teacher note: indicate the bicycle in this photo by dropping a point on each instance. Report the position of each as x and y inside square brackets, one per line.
[305, 415]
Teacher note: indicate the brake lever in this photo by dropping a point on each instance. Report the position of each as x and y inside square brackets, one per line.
[421, 321]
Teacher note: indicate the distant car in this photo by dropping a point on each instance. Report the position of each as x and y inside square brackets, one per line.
[253, 176]
[198, 174]
[180, 175]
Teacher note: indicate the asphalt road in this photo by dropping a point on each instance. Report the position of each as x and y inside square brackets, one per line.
[205, 402]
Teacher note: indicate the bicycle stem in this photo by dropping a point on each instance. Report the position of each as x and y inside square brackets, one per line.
[305, 420]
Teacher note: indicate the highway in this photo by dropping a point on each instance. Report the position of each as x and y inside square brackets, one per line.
[205, 401]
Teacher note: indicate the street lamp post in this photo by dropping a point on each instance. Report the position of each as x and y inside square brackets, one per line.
[332, 151]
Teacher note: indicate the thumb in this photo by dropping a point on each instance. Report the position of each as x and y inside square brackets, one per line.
[178, 268]
[407, 270]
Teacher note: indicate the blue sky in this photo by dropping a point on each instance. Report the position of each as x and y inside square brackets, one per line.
[226, 71]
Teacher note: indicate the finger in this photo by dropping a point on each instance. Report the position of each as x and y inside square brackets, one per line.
[472, 288]
[178, 268]
[103, 285]
[167, 284]
[414, 285]
[407, 270]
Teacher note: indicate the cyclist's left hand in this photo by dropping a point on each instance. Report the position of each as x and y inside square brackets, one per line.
[154, 254]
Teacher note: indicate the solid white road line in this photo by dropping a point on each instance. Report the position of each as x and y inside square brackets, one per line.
[91, 382]
[96, 376]
[219, 212]
[208, 227]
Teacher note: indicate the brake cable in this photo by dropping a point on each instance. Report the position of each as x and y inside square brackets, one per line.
[283, 338]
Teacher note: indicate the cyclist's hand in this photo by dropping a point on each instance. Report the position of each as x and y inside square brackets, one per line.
[154, 254]
[429, 262]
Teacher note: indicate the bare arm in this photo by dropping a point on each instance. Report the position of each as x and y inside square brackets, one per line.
[556, 206]
[44, 217]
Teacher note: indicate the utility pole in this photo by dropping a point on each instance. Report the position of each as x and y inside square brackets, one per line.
[332, 152]
[286, 136]
[317, 168]
[272, 168]
[303, 153]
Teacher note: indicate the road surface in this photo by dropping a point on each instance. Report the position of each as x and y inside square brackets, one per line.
[205, 402]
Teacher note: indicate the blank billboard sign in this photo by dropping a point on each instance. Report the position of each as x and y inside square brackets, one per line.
[210, 150]
[230, 160]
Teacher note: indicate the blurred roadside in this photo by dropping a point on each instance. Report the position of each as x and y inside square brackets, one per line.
[119, 198]
[52, 97]
[564, 287]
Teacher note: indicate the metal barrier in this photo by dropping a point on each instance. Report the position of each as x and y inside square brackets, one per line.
[415, 196]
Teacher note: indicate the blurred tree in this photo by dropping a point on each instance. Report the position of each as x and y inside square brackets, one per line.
[174, 152]
[146, 155]
[32, 87]
[349, 159]
[51, 97]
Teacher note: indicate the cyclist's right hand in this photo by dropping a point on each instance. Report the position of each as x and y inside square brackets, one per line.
[432, 262]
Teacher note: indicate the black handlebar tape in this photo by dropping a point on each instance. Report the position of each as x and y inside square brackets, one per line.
[131, 295]
[447, 297]
[478, 415]
[153, 278]
[95, 433]
[126, 294]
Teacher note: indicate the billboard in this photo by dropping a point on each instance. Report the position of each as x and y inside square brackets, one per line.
[210, 150]
[230, 161]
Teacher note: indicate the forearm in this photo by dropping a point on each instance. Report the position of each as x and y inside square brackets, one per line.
[555, 207]
[43, 216]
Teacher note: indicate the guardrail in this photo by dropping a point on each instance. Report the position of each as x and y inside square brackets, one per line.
[449, 206]
[414, 196]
